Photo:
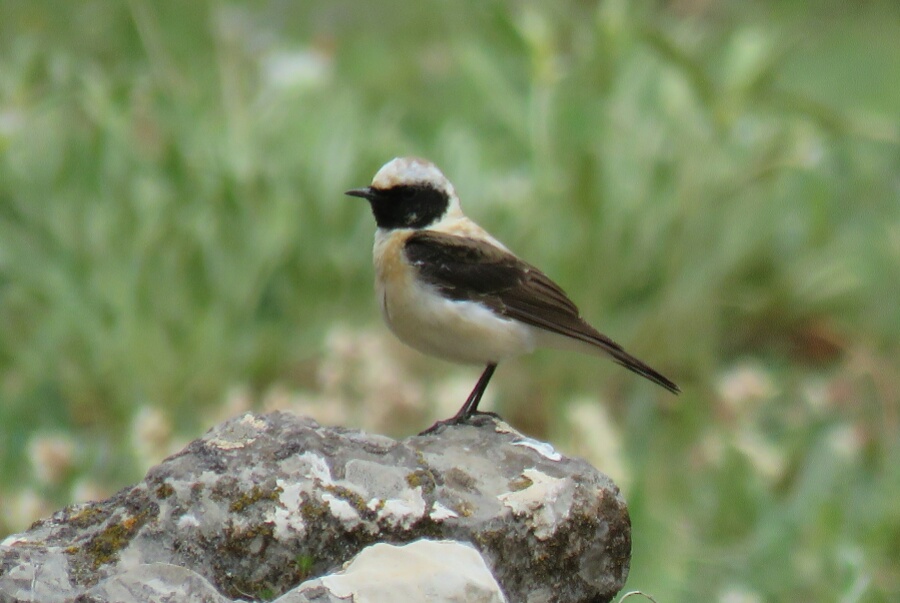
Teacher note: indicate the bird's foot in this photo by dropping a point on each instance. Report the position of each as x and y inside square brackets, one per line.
[458, 420]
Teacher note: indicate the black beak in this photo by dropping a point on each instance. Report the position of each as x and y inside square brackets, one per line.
[365, 193]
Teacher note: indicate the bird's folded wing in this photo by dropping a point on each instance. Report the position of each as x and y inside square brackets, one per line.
[467, 269]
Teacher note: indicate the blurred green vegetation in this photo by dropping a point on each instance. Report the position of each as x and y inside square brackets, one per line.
[716, 183]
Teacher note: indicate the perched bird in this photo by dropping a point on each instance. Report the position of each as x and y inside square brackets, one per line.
[449, 289]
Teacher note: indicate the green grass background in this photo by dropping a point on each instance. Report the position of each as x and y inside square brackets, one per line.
[717, 184]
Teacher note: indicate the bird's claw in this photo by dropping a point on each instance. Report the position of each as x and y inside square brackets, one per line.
[458, 420]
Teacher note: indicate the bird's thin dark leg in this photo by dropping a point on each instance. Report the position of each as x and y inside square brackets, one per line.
[471, 406]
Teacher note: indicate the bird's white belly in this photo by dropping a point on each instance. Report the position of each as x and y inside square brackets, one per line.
[461, 331]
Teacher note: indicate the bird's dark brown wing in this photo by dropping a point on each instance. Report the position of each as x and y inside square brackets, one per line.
[467, 269]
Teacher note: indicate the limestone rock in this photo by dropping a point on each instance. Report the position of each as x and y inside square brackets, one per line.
[264, 503]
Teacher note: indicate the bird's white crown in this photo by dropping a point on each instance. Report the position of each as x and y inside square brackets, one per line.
[406, 171]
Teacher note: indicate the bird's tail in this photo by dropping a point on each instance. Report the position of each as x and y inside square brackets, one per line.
[636, 366]
[590, 341]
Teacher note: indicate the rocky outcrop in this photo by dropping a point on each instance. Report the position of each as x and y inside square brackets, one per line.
[273, 506]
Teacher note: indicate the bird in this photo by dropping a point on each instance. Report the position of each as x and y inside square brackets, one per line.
[449, 289]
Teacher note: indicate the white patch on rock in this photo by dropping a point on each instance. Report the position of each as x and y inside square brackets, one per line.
[13, 540]
[545, 449]
[423, 570]
[187, 521]
[225, 444]
[288, 517]
[341, 509]
[308, 465]
[239, 435]
[401, 512]
[501, 426]
[439, 512]
[547, 501]
[250, 420]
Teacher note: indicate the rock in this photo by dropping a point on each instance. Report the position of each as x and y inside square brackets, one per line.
[262, 504]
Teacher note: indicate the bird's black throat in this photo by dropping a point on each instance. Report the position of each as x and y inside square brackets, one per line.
[407, 206]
